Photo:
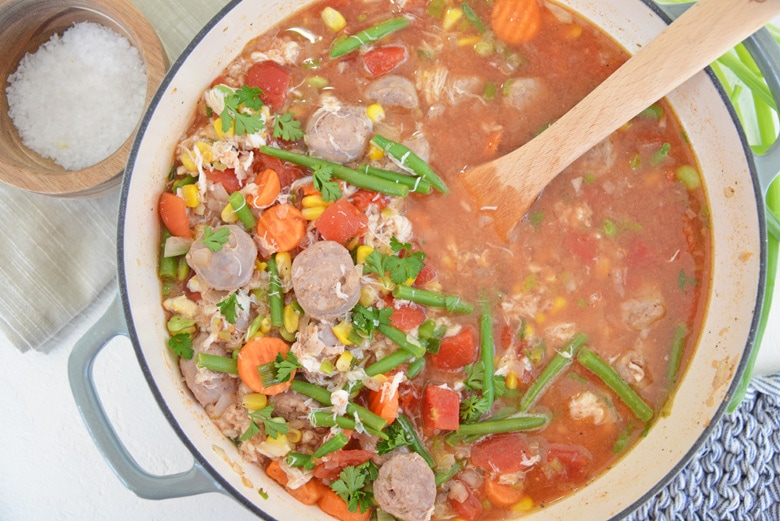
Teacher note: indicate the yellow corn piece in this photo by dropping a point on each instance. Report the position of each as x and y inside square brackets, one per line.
[511, 381]
[260, 266]
[224, 335]
[528, 331]
[363, 251]
[290, 318]
[280, 440]
[294, 435]
[342, 331]
[190, 195]
[344, 361]
[540, 317]
[368, 296]
[206, 152]
[312, 214]
[468, 41]
[221, 134]
[313, 201]
[451, 17]
[227, 214]
[254, 401]
[524, 505]
[375, 112]
[374, 152]
[284, 265]
[188, 162]
[333, 19]
[265, 325]
[559, 303]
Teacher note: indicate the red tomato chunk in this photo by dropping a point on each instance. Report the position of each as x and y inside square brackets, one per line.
[502, 453]
[440, 408]
[341, 222]
[457, 351]
[273, 80]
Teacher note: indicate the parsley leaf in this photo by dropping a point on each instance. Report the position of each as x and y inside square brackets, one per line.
[376, 263]
[215, 239]
[473, 407]
[475, 378]
[228, 308]
[287, 127]
[286, 366]
[351, 486]
[330, 190]
[271, 428]
[396, 437]
[181, 344]
[366, 320]
[245, 123]
[404, 265]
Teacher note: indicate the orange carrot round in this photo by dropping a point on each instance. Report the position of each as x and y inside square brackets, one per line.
[387, 408]
[502, 495]
[173, 213]
[268, 188]
[516, 21]
[282, 226]
[332, 504]
[257, 352]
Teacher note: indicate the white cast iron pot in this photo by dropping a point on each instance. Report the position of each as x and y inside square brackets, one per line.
[734, 187]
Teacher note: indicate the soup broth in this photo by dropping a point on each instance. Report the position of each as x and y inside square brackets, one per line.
[378, 351]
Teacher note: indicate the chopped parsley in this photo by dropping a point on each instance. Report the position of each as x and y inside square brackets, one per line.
[330, 190]
[181, 344]
[228, 308]
[214, 240]
[366, 320]
[475, 404]
[248, 120]
[286, 127]
[404, 265]
[270, 426]
[684, 281]
[351, 486]
[280, 370]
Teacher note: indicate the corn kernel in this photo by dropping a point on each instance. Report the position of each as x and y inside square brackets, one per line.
[313, 201]
[312, 214]
[291, 318]
[206, 151]
[540, 317]
[528, 331]
[362, 253]
[188, 162]
[227, 214]
[260, 266]
[344, 361]
[224, 335]
[468, 41]
[511, 381]
[559, 303]
[294, 435]
[221, 134]
[368, 296]
[342, 331]
[375, 153]
[265, 325]
[375, 112]
[254, 401]
[451, 17]
[333, 19]
[524, 505]
[284, 265]
[280, 440]
[190, 195]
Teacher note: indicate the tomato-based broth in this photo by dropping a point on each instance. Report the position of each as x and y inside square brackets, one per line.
[346, 313]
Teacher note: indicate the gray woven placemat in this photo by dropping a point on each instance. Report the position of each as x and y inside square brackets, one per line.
[735, 475]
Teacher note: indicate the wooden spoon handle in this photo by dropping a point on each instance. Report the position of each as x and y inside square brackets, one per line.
[682, 49]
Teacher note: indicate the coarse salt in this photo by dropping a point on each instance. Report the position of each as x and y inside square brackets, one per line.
[79, 96]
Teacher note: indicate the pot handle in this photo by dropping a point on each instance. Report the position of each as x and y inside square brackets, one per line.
[80, 363]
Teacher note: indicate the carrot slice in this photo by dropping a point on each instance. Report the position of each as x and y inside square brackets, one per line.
[332, 504]
[268, 188]
[516, 21]
[173, 213]
[283, 226]
[276, 473]
[502, 495]
[257, 352]
[309, 493]
[387, 408]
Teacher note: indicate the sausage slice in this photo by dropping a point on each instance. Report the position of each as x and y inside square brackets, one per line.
[325, 280]
[406, 487]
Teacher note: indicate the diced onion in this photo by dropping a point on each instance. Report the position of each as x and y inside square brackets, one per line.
[175, 246]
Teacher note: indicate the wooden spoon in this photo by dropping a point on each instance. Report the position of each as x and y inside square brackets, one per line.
[511, 184]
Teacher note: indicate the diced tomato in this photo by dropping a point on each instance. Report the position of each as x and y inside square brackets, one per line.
[334, 463]
[341, 222]
[457, 351]
[440, 409]
[273, 80]
[227, 178]
[582, 245]
[362, 198]
[502, 453]
[382, 60]
[407, 316]
[470, 508]
[287, 172]
[426, 275]
[568, 462]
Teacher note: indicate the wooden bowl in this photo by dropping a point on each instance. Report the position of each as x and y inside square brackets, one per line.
[26, 25]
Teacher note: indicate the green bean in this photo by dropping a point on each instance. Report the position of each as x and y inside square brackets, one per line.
[442, 477]
[298, 460]
[411, 436]
[373, 33]
[322, 395]
[524, 422]
[242, 211]
[332, 445]
[275, 296]
[220, 364]
[559, 362]
[351, 176]
[389, 362]
[410, 161]
[324, 419]
[487, 353]
[432, 299]
[415, 368]
[399, 338]
[675, 356]
[415, 183]
[186, 180]
[168, 265]
[609, 376]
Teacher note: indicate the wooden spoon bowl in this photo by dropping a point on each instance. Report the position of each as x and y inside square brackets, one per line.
[510, 184]
[26, 25]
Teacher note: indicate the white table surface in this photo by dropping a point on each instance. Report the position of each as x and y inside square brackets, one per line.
[51, 470]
